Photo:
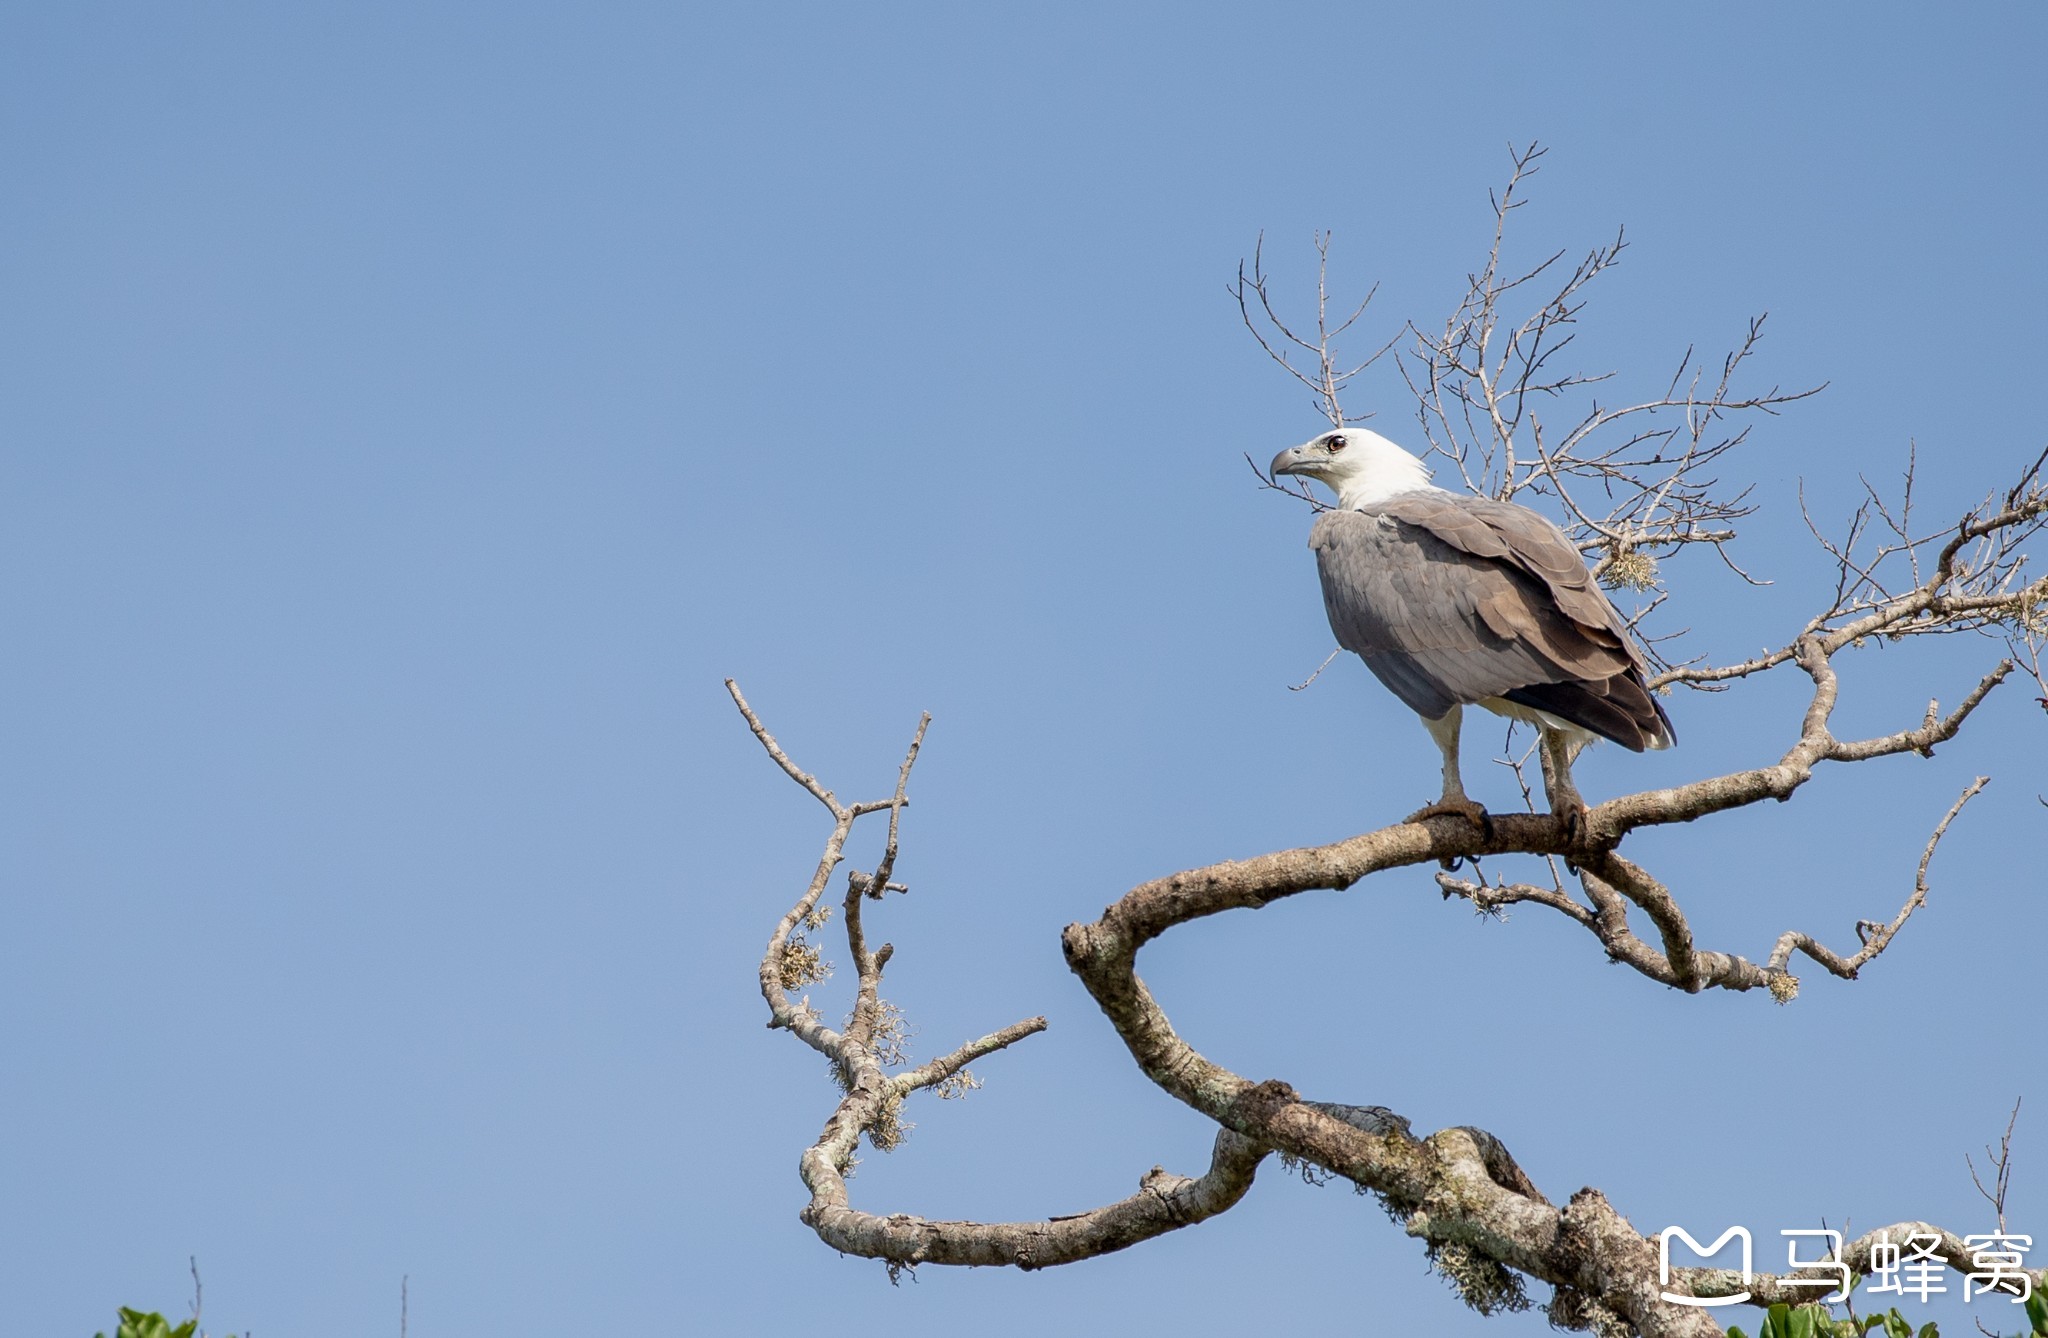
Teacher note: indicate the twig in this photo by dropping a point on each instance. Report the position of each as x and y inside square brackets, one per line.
[1297, 687]
[794, 772]
[2001, 1167]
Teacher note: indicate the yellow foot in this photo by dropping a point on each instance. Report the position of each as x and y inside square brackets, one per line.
[1468, 809]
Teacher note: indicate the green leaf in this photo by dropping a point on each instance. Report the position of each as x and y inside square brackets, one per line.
[1928, 1330]
[1895, 1325]
[1734, 1331]
[149, 1324]
[138, 1324]
[1800, 1323]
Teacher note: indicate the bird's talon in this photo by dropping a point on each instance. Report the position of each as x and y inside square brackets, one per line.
[1470, 810]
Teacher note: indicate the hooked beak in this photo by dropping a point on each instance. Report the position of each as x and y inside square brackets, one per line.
[1294, 460]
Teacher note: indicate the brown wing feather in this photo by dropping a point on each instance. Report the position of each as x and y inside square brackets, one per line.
[1527, 541]
[1484, 599]
[1441, 626]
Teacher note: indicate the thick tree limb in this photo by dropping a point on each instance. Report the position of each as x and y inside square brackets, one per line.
[1164, 1202]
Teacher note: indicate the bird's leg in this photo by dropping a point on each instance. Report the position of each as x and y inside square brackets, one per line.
[1444, 730]
[1557, 753]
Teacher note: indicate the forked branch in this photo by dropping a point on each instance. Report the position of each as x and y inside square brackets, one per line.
[1283, 345]
[872, 1097]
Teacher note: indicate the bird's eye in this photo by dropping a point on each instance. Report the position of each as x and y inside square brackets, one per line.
[1335, 442]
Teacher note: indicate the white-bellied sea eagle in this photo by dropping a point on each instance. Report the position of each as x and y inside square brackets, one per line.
[1454, 600]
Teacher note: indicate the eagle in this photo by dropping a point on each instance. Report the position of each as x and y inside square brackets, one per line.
[1455, 600]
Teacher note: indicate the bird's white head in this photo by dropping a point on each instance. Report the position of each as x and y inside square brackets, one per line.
[1361, 467]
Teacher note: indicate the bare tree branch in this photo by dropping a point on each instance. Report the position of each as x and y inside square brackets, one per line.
[1637, 479]
[1331, 376]
[872, 1098]
[2000, 1163]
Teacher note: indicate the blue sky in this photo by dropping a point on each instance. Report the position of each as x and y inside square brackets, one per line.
[413, 412]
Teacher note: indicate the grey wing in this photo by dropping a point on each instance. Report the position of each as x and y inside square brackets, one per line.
[1527, 542]
[1440, 626]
